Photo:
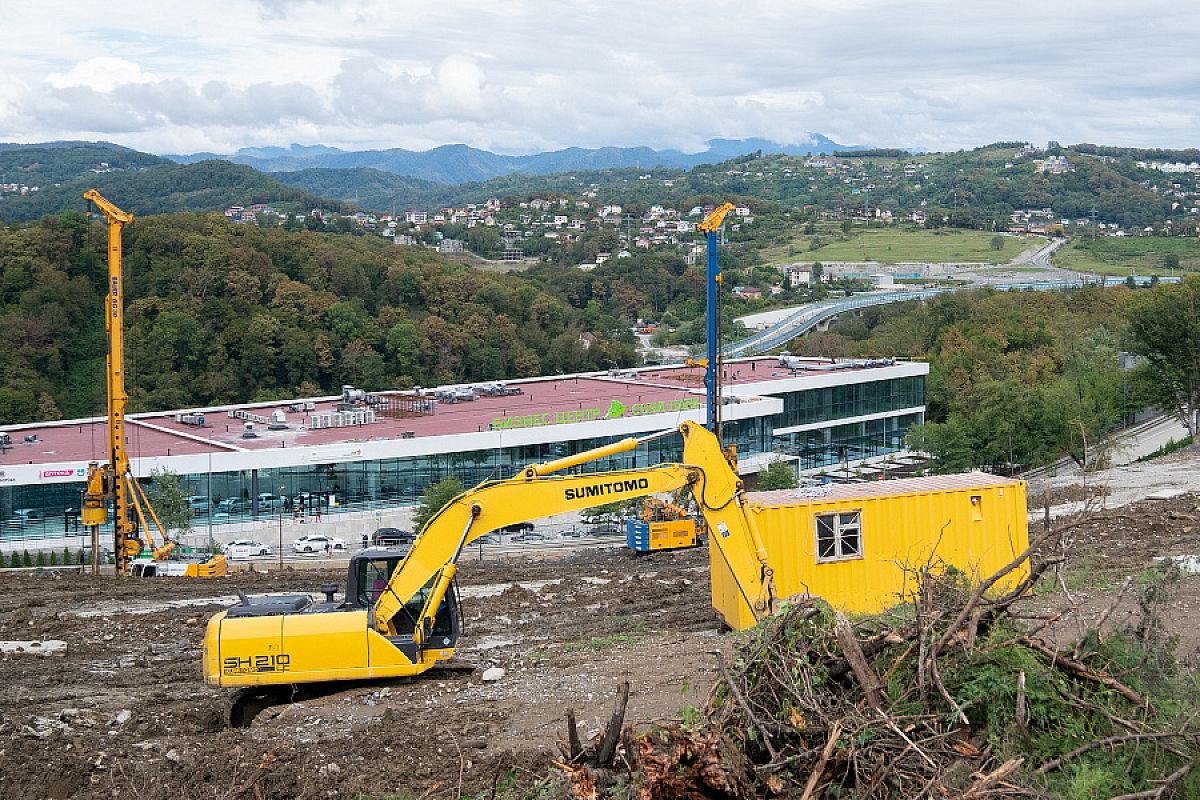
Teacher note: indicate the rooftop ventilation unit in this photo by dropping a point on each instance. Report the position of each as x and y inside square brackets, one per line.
[238, 413]
[341, 419]
[278, 421]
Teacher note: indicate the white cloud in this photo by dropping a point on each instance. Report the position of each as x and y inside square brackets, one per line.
[102, 74]
[523, 76]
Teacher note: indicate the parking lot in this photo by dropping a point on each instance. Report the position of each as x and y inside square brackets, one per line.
[277, 533]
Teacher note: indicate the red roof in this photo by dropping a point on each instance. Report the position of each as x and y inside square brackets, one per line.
[554, 400]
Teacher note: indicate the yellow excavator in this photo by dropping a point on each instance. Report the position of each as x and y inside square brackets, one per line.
[400, 613]
[134, 549]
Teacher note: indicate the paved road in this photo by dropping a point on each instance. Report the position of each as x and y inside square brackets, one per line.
[1042, 257]
[1127, 447]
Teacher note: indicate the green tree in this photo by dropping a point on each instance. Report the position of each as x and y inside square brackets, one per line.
[1164, 328]
[26, 559]
[997, 242]
[778, 475]
[168, 498]
[435, 498]
[14, 559]
[40, 560]
[1171, 261]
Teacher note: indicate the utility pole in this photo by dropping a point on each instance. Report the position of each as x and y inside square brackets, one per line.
[1092, 214]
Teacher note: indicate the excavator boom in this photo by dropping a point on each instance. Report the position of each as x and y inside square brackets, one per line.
[407, 623]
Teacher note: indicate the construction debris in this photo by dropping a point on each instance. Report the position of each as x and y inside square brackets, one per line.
[952, 694]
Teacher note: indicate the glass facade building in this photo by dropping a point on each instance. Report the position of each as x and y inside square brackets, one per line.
[824, 420]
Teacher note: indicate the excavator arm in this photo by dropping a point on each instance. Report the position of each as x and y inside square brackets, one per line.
[407, 625]
[536, 492]
[713, 221]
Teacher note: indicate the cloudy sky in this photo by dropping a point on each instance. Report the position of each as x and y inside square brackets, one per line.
[517, 76]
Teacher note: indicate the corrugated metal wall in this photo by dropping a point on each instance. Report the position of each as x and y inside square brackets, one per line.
[938, 528]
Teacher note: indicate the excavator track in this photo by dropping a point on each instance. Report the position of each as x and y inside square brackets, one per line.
[244, 706]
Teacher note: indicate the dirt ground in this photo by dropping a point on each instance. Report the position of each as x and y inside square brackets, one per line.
[124, 712]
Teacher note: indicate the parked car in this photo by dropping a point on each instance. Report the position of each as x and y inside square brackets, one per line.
[317, 544]
[269, 502]
[25, 516]
[198, 504]
[518, 528]
[390, 537]
[233, 505]
[246, 548]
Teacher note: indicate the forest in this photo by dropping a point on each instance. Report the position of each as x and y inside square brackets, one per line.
[1016, 378]
[220, 313]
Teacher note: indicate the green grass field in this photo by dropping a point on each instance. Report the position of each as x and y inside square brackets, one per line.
[1143, 255]
[892, 245]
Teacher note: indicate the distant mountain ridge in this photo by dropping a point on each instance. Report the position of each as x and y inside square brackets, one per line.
[460, 163]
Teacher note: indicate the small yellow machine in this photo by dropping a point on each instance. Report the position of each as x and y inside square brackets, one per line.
[663, 526]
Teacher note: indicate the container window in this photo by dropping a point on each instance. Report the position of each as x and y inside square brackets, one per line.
[839, 536]
[977, 507]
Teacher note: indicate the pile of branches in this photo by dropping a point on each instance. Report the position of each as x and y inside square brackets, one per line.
[952, 694]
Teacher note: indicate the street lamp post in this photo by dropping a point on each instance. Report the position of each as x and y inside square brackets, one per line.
[279, 507]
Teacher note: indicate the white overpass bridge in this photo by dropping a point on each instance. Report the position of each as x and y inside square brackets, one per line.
[803, 319]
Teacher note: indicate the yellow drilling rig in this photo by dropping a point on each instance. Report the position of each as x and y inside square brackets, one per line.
[114, 482]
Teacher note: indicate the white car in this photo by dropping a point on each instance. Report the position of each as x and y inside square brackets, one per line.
[246, 548]
[317, 544]
[269, 502]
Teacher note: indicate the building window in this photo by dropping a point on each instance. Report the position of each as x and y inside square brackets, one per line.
[839, 536]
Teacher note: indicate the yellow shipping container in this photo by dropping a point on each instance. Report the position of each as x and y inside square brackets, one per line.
[850, 544]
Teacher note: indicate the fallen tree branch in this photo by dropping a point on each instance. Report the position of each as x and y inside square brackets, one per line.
[252, 781]
[814, 777]
[741, 701]
[980, 786]
[866, 677]
[1081, 671]
[1110, 741]
[965, 613]
[1153, 794]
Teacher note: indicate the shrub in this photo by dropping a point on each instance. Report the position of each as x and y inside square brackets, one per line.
[40, 561]
[14, 560]
[26, 559]
[53, 558]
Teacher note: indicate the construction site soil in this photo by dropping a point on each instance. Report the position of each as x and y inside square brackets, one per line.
[123, 711]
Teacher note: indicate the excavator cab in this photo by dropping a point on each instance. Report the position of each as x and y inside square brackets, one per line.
[367, 579]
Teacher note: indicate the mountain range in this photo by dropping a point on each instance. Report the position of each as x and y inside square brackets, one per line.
[459, 163]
